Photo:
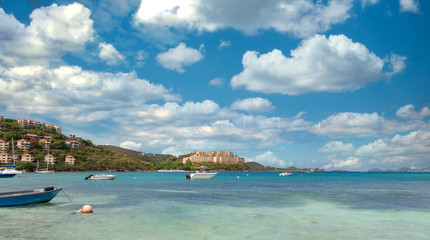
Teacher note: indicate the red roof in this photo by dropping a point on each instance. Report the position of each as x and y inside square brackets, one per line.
[70, 156]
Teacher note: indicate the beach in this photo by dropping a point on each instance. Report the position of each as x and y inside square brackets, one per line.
[233, 205]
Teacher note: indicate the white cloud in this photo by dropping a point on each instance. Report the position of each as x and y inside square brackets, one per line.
[302, 18]
[408, 112]
[192, 126]
[223, 44]
[73, 93]
[336, 146]
[253, 105]
[396, 63]
[131, 145]
[412, 149]
[109, 54]
[180, 56]
[319, 64]
[409, 6]
[349, 123]
[217, 82]
[53, 31]
[349, 163]
[269, 159]
[365, 3]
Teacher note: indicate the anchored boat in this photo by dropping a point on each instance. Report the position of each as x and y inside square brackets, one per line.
[28, 196]
[201, 174]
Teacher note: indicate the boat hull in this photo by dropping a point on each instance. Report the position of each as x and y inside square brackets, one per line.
[7, 175]
[202, 175]
[27, 197]
[103, 177]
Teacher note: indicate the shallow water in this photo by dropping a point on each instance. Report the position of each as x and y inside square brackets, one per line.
[233, 205]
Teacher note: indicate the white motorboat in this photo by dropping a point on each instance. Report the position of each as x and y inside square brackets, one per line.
[100, 177]
[12, 170]
[285, 174]
[201, 174]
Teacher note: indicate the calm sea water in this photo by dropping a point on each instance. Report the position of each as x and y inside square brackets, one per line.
[233, 205]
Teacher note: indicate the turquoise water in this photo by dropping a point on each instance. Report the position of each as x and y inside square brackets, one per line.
[233, 205]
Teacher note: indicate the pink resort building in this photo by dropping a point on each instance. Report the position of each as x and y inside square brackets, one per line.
[5, 158]
[70, 160]
[23, 144]
[214, 156]
[27, 123]
[50, 125]
[4, 146]
[49, 159]
[27, 158]
[45, 143]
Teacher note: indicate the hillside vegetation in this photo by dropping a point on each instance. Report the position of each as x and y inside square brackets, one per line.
[90, 157]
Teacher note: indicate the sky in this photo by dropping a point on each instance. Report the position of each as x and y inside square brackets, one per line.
[333, 84]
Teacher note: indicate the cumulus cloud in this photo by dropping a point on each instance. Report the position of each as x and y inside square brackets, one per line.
[109, 54]
[409, 6]
[319, 64]
[409, 112]
[253, 105]
[349, 123]
[336, 146]
[53, 31]
[192, 126]
[412, 149]
[301, 18]
[180, 56]
[131, 145]
[217, 82]
[269, 159]
[349, 163]
[74, 93]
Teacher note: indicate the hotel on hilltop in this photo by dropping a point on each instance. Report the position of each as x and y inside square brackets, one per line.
[214, 156]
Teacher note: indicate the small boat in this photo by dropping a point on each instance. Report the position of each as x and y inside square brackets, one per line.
[28, 196]
[201, 174]
[43, 170]
[11, 169]
[5, 174]
[285, 174]
[100, 177]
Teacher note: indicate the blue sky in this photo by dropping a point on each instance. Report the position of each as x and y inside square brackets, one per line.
[338, 84]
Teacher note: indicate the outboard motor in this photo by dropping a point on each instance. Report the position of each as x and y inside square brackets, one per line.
[86, 178]
[187, 176]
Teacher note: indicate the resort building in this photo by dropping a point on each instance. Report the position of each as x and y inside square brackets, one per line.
[70, 160]
[49, 159]
[32, 136]
[23, 144]
[73, 144]
[4, 146]
[1, 118]
[56, 127]
[5, 158]
[27, 158]
[45, 143]
[214, 156]
[28, 123]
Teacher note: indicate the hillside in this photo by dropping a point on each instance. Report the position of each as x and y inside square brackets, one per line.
[148, 157]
